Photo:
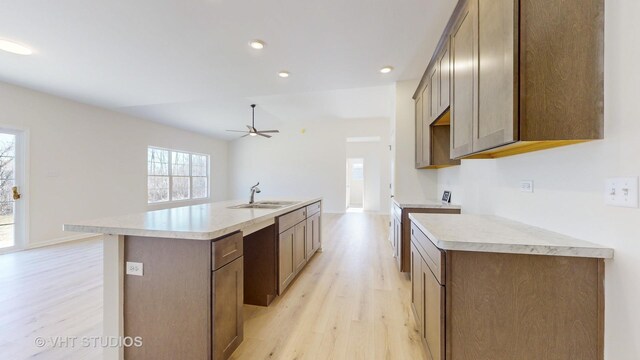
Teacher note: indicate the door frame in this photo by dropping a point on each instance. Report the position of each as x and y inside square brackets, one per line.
[21, 220]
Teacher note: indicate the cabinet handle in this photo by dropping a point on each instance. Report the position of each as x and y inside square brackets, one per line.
[411, 231]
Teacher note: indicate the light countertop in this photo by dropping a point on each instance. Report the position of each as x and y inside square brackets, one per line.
[196, 222]
[485, 233]
[429, 204]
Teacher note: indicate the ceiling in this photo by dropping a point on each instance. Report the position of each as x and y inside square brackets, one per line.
[187, 63]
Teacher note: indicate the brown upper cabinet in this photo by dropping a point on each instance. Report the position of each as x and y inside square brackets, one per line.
[432, 115]
[524, 81]
[515, 79]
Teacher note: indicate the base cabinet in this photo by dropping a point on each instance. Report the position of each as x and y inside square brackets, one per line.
[227, 319]
[299, 246]
[299, 238]
[494, 306]
[193, 313]
[286, 263]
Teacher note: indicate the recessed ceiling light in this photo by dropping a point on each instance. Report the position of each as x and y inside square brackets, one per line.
[386, 69]
[257, 44]
[14, 47]
[283, 74]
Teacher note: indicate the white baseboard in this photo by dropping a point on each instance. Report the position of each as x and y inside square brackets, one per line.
[61, 240]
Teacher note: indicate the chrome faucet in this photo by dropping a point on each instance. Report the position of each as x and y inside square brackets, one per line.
[254, 189]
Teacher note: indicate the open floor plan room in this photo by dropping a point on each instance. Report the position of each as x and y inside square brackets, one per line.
[286, 180]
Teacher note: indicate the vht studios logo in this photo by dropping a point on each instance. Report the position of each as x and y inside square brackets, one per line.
[88, 341]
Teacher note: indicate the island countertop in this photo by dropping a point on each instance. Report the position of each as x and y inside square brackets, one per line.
[484, 233]
[196, 222]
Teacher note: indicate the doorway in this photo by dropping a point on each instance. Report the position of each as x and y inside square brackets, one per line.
[11, 180]
[355, 184]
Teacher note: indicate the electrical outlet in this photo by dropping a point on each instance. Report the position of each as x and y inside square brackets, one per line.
[526, 186]
[621, 191]
[134, 268]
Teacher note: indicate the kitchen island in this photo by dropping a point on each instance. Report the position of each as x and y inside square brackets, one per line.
[485, 287]
[177, 277]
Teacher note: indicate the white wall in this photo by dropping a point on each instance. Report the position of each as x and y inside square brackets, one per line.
[409, 183]
[569, 183]
[88, 162]
[294, 164]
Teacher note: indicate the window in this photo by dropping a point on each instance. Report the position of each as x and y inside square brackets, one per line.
[176, 175]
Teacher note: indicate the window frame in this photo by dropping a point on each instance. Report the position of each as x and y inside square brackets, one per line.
[170, 176]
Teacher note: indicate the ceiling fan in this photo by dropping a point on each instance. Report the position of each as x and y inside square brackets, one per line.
[252, 129]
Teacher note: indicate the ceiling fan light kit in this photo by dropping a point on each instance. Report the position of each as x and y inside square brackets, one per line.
[252, 129]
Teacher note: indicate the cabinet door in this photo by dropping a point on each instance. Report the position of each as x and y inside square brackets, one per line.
[286, 264]
[433, 313]
[299, 243]
[314, 230]
[464, 61]
[419, 125]
[426, 125]
[398, 254]
[228, 296]
[435, 86]
[496, 78]
[309, 238]
[443, 81]
[416, 285]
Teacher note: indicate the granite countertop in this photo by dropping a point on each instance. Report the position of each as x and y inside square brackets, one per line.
[429, 204]
[483, 233]
[196, 222]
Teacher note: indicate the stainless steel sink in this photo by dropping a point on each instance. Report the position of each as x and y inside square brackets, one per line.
[256, 206]
[281, 203]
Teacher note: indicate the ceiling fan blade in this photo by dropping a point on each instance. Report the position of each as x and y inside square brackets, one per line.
[242, 131]
[249, 127]
[244, 136]
[269, 131]
[267, 136]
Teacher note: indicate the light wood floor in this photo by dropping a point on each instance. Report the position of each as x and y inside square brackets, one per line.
[350, 302]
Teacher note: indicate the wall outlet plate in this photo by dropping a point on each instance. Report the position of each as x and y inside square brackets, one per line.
[526, 186]
[134, 268]
[621, 191]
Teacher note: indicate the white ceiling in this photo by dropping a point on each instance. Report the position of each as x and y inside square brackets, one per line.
[186, 63]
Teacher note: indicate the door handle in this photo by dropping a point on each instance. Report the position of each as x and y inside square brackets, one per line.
[16, 193]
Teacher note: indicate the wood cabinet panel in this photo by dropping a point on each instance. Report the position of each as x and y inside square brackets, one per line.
[527, 307]
[289, 220]
[434, 88]
[497, 80]
[225, 250]
[434, 315]
[176, 267]
[286, 265]
[299, 246]
[444, 79]
[426, 123]
[314, 229]
[416, 285]
[464, 107]
[419, 125]
[227, 317]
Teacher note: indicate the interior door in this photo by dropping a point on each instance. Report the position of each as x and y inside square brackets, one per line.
[11, 190]
[464, 106]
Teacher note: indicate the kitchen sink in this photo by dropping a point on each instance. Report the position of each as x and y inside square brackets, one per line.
[281, 203]
[264, 205]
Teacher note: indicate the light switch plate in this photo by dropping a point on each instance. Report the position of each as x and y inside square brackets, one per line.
[134, 268]
[526, 186]
[622, 191]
